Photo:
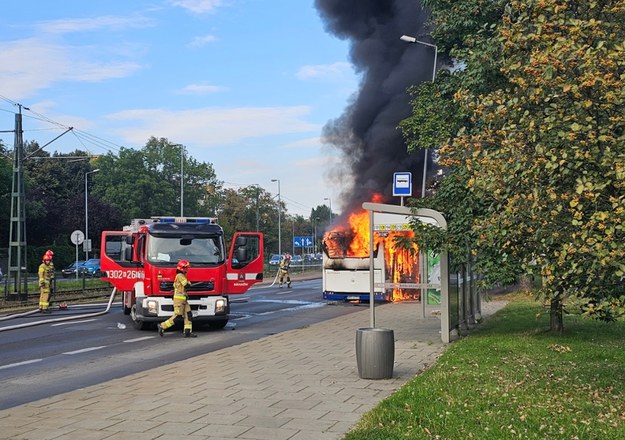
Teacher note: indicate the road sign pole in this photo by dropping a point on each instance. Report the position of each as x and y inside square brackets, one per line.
[77, 238]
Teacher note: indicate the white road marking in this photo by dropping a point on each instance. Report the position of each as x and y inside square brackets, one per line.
[84, 350]
[72, 322]
[143, 338]
[19, 364]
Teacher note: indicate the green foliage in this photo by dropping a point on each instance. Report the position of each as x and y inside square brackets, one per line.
[513, 379]
[6, 172]
[55, 194]
[129, 184]
[435, 117]
[465, 30]
[548, 153]
[456, 23]
[134, 184]
[534, 178]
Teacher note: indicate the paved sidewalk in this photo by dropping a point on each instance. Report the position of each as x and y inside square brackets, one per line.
[298, 385]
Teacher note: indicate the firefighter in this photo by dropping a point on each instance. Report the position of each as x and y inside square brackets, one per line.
[46, 277]
[181, 305]
[284, 271]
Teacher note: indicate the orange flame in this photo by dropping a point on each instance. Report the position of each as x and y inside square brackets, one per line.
[352, 240]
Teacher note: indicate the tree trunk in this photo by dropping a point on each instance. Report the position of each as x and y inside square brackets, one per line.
[555, 314]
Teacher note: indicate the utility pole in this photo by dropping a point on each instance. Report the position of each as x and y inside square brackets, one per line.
[17, 271]
[181, 180]
[257, 209]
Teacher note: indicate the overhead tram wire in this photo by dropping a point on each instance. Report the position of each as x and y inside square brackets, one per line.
[293, 202]
[98, 142]
[82, 136]
[244, 185]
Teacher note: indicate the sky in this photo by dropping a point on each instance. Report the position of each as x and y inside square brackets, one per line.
[246, 85]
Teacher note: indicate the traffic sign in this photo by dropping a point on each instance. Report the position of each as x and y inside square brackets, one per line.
[77, 237]
[302, 241]
[402, 184]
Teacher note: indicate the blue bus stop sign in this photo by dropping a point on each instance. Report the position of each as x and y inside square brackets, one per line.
[402, 184]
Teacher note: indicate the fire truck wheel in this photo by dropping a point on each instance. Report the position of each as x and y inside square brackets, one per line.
[218, 325]
[136, 323]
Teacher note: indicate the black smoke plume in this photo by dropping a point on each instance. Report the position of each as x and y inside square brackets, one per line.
[366, 134]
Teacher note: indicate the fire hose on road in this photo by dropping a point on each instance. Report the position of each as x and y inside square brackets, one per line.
[52, 320]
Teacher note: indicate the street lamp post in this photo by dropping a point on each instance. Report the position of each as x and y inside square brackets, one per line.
[257, 208]
[87, 214]
[315, 220]
[409, 39]
[181, 180]
[329, 203]
[279, 215]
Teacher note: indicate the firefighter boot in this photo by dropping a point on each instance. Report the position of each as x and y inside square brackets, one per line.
[188, 334]
[161, 330]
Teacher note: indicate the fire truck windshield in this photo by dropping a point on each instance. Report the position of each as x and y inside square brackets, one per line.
[197, 250]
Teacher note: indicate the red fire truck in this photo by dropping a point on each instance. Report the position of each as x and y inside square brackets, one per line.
[140, 262]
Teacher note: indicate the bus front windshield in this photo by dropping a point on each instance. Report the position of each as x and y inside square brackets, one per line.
[198, 250]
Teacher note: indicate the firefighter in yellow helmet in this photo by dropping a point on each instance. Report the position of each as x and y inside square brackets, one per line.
[285, 264]
[181, 305]
[46, 276]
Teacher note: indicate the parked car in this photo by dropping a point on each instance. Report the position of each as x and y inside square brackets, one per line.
[91, 268]
[275, 259]
[296, 260]
[70, 271]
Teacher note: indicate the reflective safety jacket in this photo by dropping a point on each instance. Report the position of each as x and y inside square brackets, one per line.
[45, 273]
[180, 287]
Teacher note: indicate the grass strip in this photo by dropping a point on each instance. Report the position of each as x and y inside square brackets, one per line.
[513, 379]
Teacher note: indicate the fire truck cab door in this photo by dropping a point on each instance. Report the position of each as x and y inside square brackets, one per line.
[245, 262]
[116, 260]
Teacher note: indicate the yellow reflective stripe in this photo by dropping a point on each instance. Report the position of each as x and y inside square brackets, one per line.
[180, 297]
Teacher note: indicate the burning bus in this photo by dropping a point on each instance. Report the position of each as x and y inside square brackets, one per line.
[346, 263]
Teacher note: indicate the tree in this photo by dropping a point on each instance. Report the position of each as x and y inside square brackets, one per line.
[547, 153]
[6, 173]
[463, 32]
[146, 182]
[55, 202]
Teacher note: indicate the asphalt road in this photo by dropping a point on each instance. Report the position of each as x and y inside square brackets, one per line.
[43, 360]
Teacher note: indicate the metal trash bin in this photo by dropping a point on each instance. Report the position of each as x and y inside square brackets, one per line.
[375, 353]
